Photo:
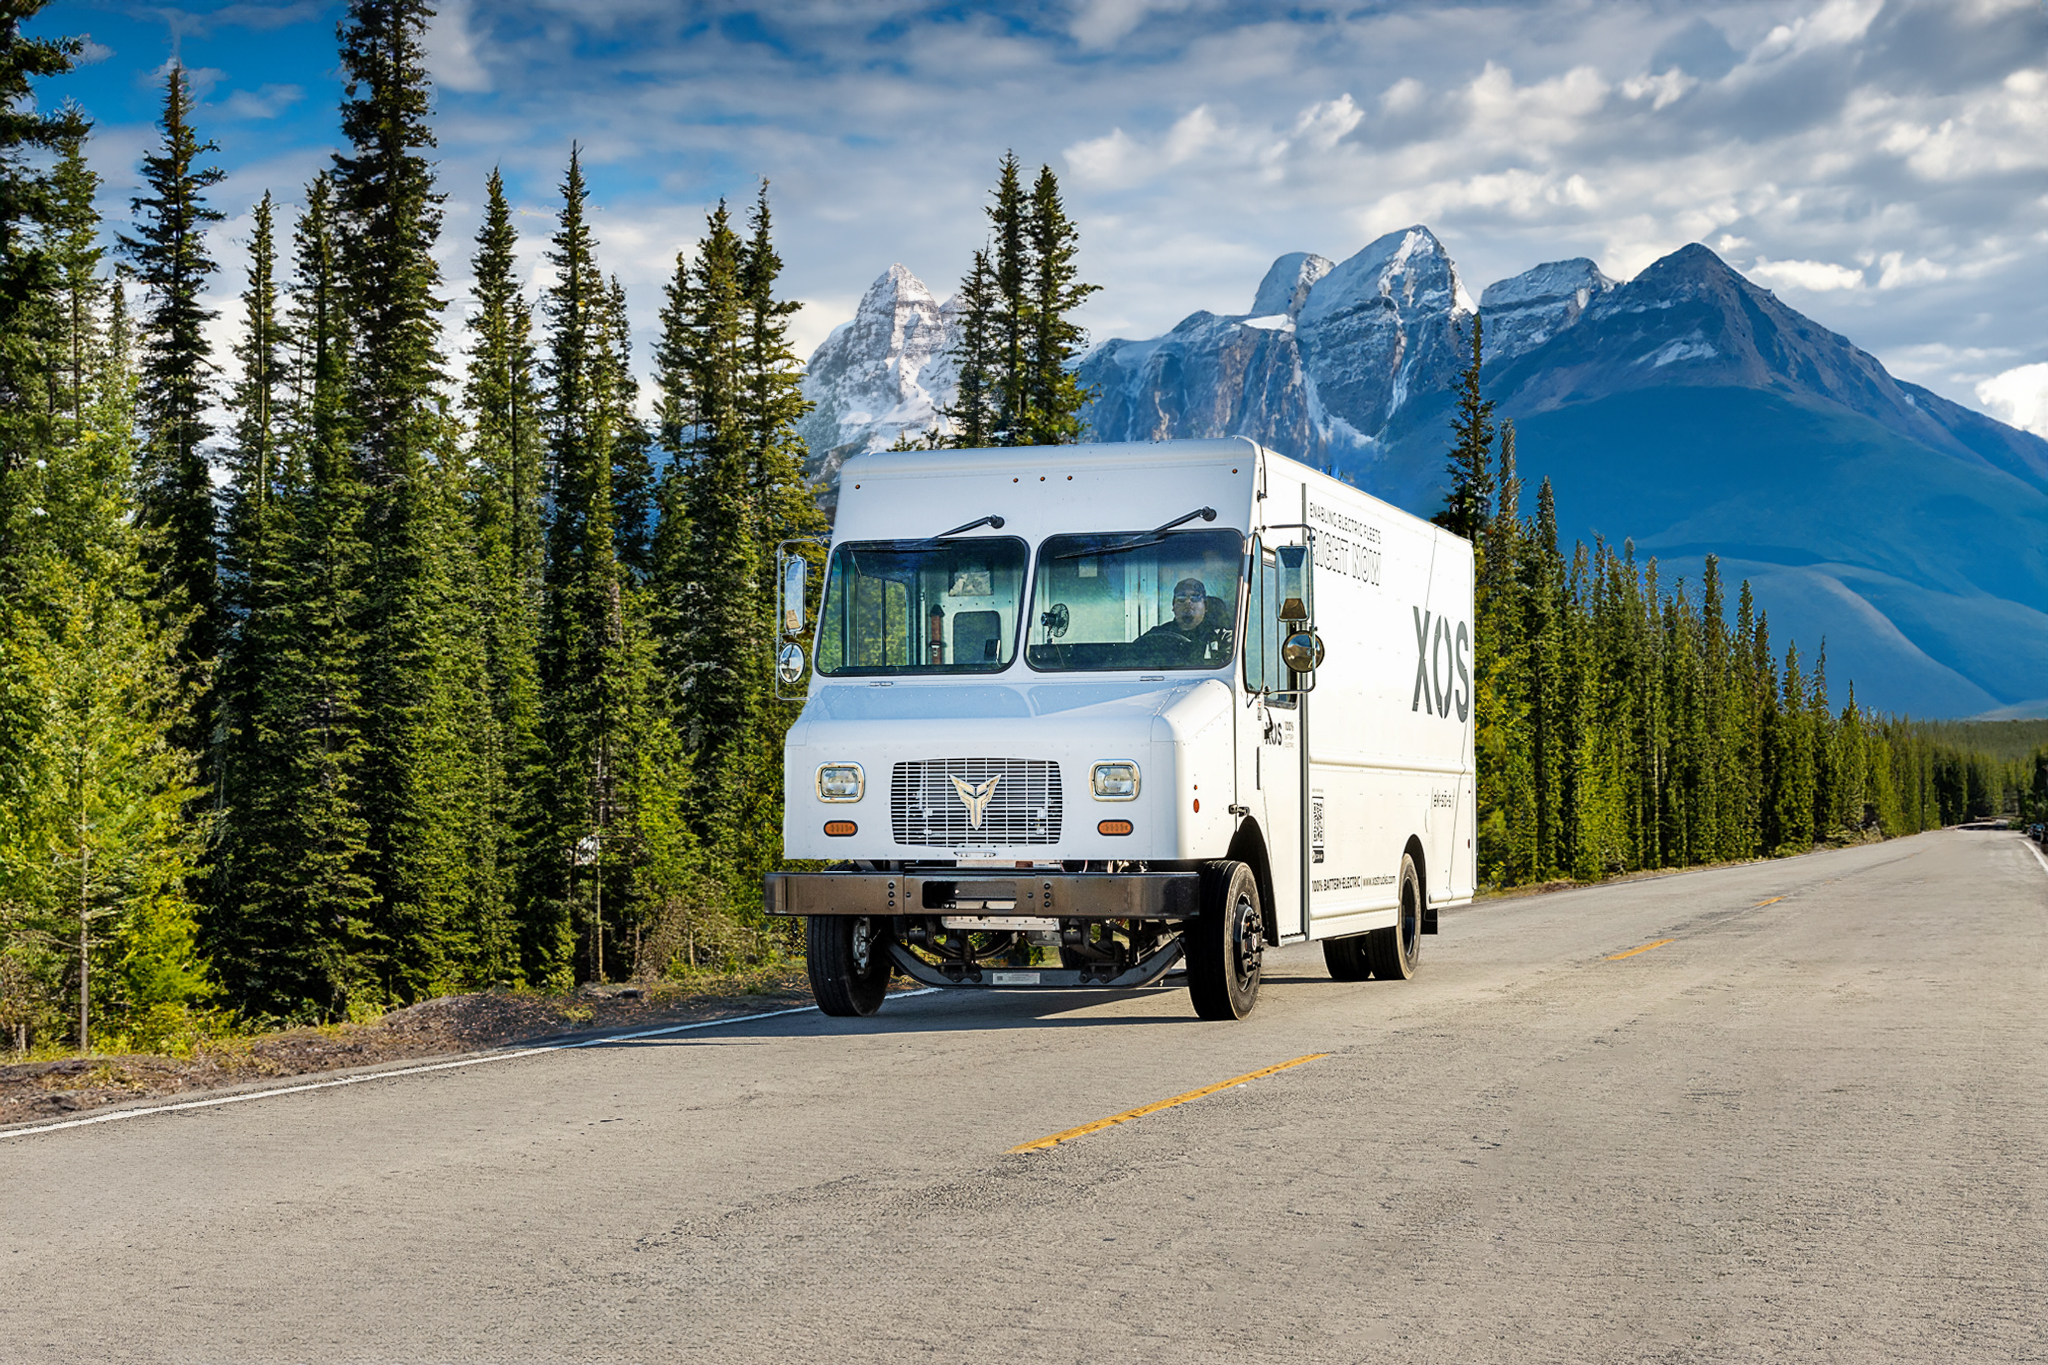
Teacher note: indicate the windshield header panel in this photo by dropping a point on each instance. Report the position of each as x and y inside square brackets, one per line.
[1128, 600]
[922, 607]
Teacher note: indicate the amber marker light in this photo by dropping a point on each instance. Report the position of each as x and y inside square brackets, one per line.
[839, 829]
[1113, 827]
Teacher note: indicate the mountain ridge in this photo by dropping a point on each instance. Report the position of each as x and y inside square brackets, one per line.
[1688, 409]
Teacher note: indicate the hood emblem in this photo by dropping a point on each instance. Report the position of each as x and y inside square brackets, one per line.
[976, 798]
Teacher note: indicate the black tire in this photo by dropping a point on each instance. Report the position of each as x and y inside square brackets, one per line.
[1226, 943]
[1395, 952]
[848, 960]
[1346, 958]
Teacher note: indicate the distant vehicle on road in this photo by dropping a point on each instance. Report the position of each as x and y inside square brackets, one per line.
[1070, 722]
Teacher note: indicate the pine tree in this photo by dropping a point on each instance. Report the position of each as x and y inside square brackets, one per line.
[1470, 466]
[99, 844]
[251, 554]
[27, 272]
[504, 407]
[597, 654]
[976, 410]
[426, 770]
[633, 484]
[713, 589]
[290, 928]
[1011, 320]
[786, 510]
[1053, 396]
[175, 496]
[72, 239]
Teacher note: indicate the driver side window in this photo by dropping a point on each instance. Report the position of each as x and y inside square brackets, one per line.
[1263, 671]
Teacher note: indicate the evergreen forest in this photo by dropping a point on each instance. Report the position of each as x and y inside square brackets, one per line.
[396, 653]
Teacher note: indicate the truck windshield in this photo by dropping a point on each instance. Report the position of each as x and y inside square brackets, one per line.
[920, 606]
[1121, 600]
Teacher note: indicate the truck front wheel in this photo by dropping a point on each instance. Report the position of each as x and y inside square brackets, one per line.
[1226, 943]
[848, 960]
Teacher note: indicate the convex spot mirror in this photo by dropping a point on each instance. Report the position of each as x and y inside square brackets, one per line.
[1302, 651]
[789, 664]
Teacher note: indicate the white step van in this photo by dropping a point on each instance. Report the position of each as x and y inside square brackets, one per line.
[1082, 716]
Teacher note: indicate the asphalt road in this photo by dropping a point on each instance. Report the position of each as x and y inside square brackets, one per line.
[1810, 1126]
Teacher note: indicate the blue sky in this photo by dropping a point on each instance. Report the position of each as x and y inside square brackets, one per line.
[1882, 164]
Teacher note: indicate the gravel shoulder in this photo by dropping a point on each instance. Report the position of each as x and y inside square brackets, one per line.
[444, 1026]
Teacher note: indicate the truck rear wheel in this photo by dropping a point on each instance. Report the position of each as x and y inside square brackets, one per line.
[848, 960]
[1226, 943]
[1394, 952]
[1346, 958]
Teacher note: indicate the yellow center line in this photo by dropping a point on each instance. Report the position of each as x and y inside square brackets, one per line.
[1085, 1129]
[1644, 949]
[1761, 904]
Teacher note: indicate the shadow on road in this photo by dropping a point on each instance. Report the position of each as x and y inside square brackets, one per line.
[970, 1010]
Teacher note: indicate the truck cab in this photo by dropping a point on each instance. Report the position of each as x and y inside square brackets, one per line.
[1088, 716]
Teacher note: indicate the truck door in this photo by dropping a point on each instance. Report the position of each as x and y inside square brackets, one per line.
[1278, 748]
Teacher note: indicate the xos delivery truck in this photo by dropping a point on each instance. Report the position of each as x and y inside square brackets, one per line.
[1087, 716]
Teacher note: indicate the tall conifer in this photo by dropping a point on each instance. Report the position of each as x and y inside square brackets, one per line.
[27, 272]
[1053, 396]
[175, 494]
[976, 412]
[503, 401]
[1470, 500]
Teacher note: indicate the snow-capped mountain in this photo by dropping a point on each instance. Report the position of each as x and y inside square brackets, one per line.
[1686, 409]
[886, 373]
[1321, 366]
[1529, 309]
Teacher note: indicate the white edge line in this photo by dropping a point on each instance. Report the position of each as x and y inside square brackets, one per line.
[2038, 856]
[119, 1114]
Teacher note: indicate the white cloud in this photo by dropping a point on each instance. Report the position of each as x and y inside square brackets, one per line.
[1834, 24]
[1817, 277]
[1667, 88]
[92, 52]
[1403, 95]
[1898, 271]
[1100, 23]
[1322, 126]
[451, 50]
[2019, 396]
[265, 102]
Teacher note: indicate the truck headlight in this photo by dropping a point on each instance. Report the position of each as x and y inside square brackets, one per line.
[841, 782]
[1114, 781]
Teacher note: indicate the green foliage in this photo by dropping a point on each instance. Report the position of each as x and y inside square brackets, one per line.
[1622, 725]
[491, 701]
[175, 482]
[1018, 337]
[1470, 504]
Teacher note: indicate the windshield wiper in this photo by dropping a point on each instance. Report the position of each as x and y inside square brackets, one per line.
[1142, 539]
[991, 520]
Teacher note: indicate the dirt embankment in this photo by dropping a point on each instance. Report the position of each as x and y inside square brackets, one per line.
[451, 1024]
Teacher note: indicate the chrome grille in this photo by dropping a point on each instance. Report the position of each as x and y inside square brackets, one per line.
[926, 808]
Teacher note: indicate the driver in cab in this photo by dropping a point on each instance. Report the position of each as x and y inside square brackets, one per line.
[1197, 636]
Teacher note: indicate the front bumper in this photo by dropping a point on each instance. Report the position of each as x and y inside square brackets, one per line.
[1062, 895]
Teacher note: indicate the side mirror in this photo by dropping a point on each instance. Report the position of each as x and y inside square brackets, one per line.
[1297, 597]
[790, 606]
[789, 664]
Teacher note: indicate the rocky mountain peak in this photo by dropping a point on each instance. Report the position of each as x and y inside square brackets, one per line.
[1526, 310]
[885, 373]
[1287, 284]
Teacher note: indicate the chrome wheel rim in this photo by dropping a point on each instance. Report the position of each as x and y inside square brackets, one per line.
[1247, 942]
